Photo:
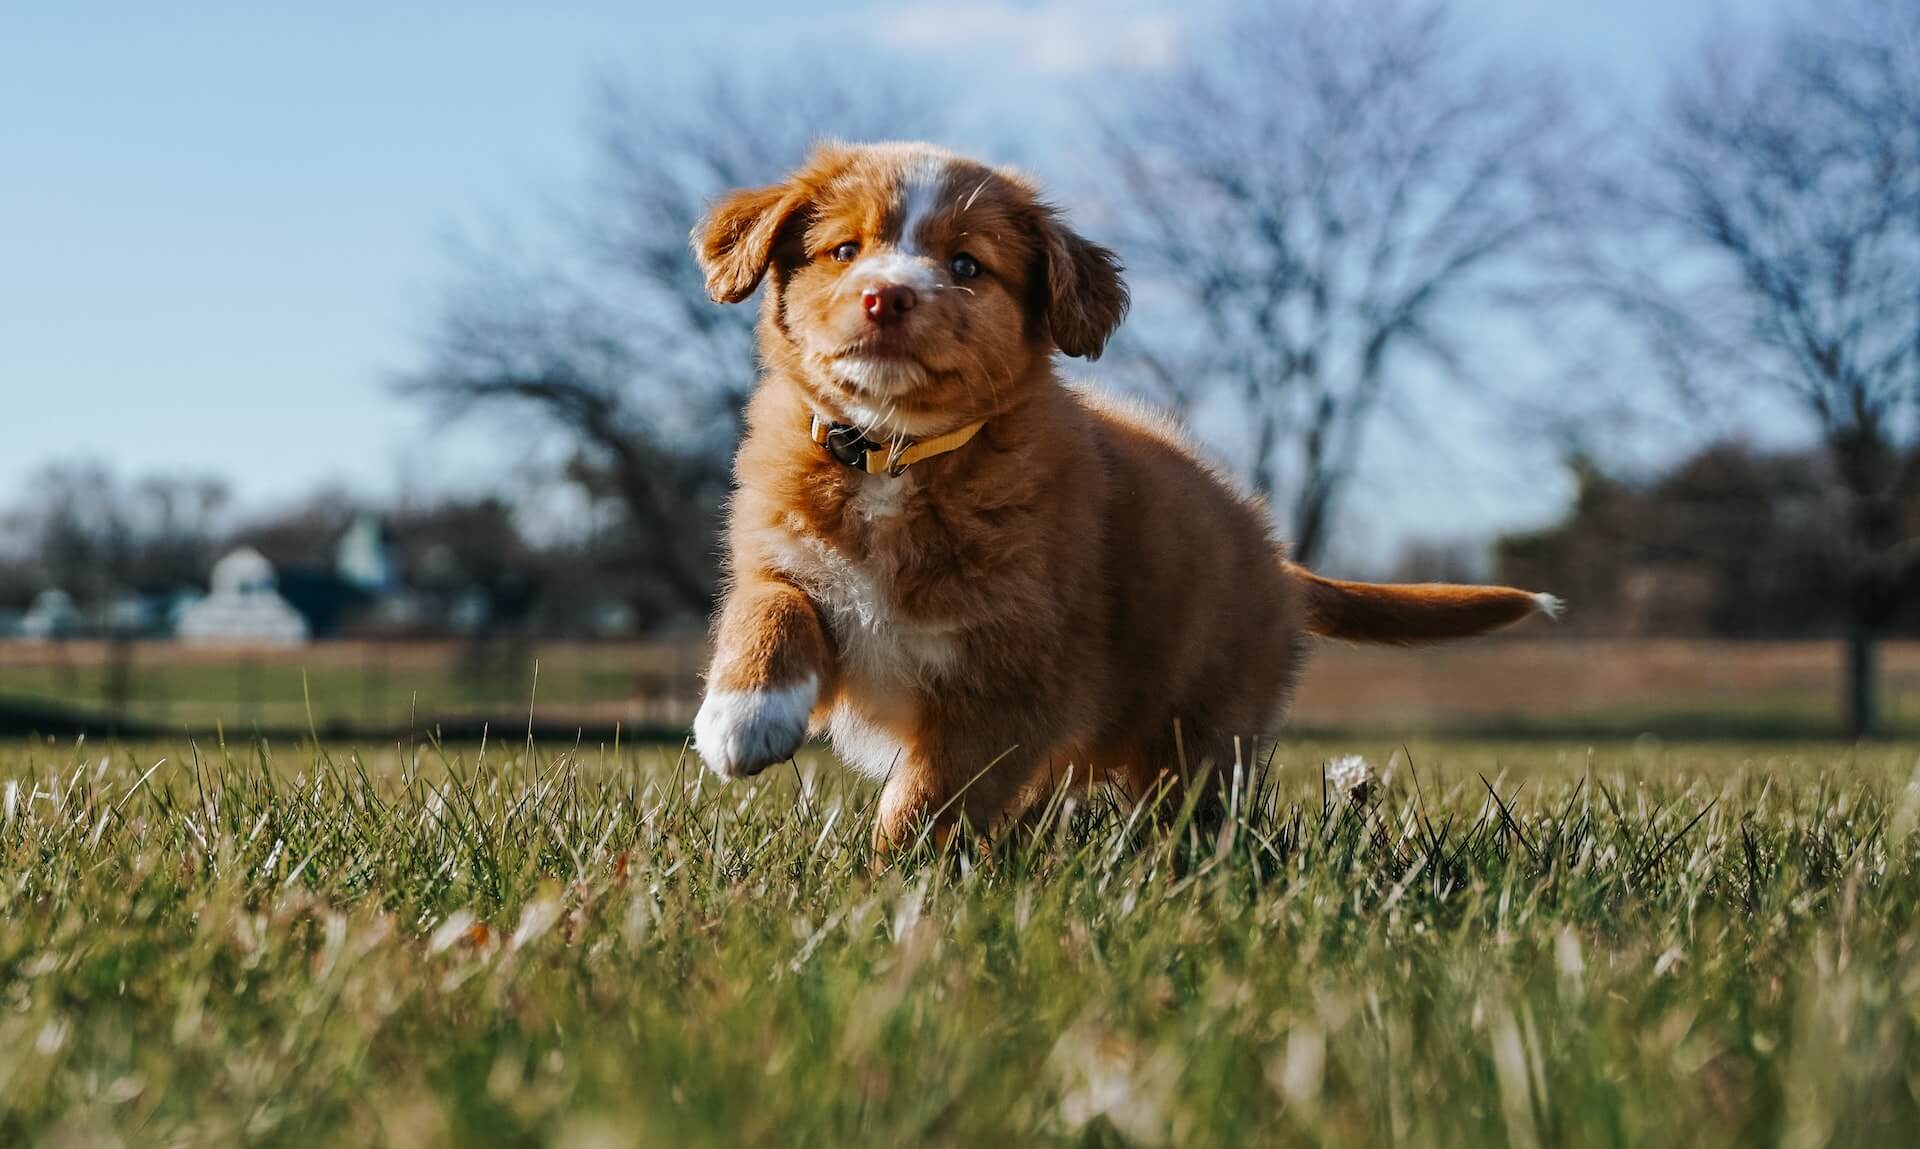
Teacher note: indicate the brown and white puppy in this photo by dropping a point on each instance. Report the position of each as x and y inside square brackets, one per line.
[1054, 581]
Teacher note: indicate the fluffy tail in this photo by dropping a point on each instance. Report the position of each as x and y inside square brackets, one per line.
[1416, 612]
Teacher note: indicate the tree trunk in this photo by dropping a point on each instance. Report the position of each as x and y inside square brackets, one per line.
[1309, 525]
[1866, 464]
[1863, 681]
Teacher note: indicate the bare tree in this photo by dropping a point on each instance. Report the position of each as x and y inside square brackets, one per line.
[615, 342]
[84, 530]
[1328, 198]
[1771, 250]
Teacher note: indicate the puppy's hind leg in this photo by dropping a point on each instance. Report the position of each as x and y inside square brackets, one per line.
[978, 779]
[1213, 772]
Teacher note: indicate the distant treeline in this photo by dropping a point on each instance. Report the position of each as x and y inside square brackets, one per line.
[1733, 542]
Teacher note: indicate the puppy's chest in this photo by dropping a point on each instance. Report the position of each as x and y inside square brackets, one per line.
[881, 576]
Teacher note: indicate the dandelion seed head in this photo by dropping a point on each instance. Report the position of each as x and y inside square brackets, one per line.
[1350, 775]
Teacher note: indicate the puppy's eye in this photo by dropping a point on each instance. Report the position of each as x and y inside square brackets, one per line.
[964, 266]
[845, 252]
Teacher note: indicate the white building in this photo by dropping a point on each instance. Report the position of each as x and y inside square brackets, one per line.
[52, 615]
[244, 606]
[363, 557]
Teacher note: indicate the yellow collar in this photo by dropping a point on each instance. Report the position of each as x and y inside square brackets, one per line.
[850, 447]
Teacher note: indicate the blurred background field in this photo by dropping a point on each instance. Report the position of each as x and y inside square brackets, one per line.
[349, 687]
[1517, 687]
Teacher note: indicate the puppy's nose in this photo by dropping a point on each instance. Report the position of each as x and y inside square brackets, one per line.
[887, 302]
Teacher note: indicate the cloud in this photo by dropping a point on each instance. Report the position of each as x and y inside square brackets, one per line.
[1053, 37]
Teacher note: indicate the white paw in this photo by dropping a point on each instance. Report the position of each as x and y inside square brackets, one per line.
[739, 733]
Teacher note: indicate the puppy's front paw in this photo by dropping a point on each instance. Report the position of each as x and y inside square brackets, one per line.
[739, 733]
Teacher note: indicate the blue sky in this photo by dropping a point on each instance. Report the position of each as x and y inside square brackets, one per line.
[223, 225]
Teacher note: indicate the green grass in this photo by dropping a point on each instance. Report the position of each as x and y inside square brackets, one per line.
[1633, 945]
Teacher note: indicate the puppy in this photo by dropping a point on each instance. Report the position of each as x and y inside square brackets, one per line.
[975, 579]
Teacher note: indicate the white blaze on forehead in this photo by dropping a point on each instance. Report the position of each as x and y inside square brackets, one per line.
[907, 261]
[919, 195]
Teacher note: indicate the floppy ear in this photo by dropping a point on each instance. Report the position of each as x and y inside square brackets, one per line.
[734, 243]
[1086, 298]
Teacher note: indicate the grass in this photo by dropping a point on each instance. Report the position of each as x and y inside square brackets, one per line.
[1530, 944]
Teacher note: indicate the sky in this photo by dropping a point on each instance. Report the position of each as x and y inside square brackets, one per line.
[225, 227]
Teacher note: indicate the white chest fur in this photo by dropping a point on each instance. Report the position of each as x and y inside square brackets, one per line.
[889, 657]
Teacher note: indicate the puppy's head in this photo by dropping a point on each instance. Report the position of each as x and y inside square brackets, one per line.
[909, 287]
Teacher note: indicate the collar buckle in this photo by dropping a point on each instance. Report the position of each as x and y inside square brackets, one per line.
[846, 444]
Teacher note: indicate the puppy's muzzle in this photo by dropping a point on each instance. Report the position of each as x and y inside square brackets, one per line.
[887, 303]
